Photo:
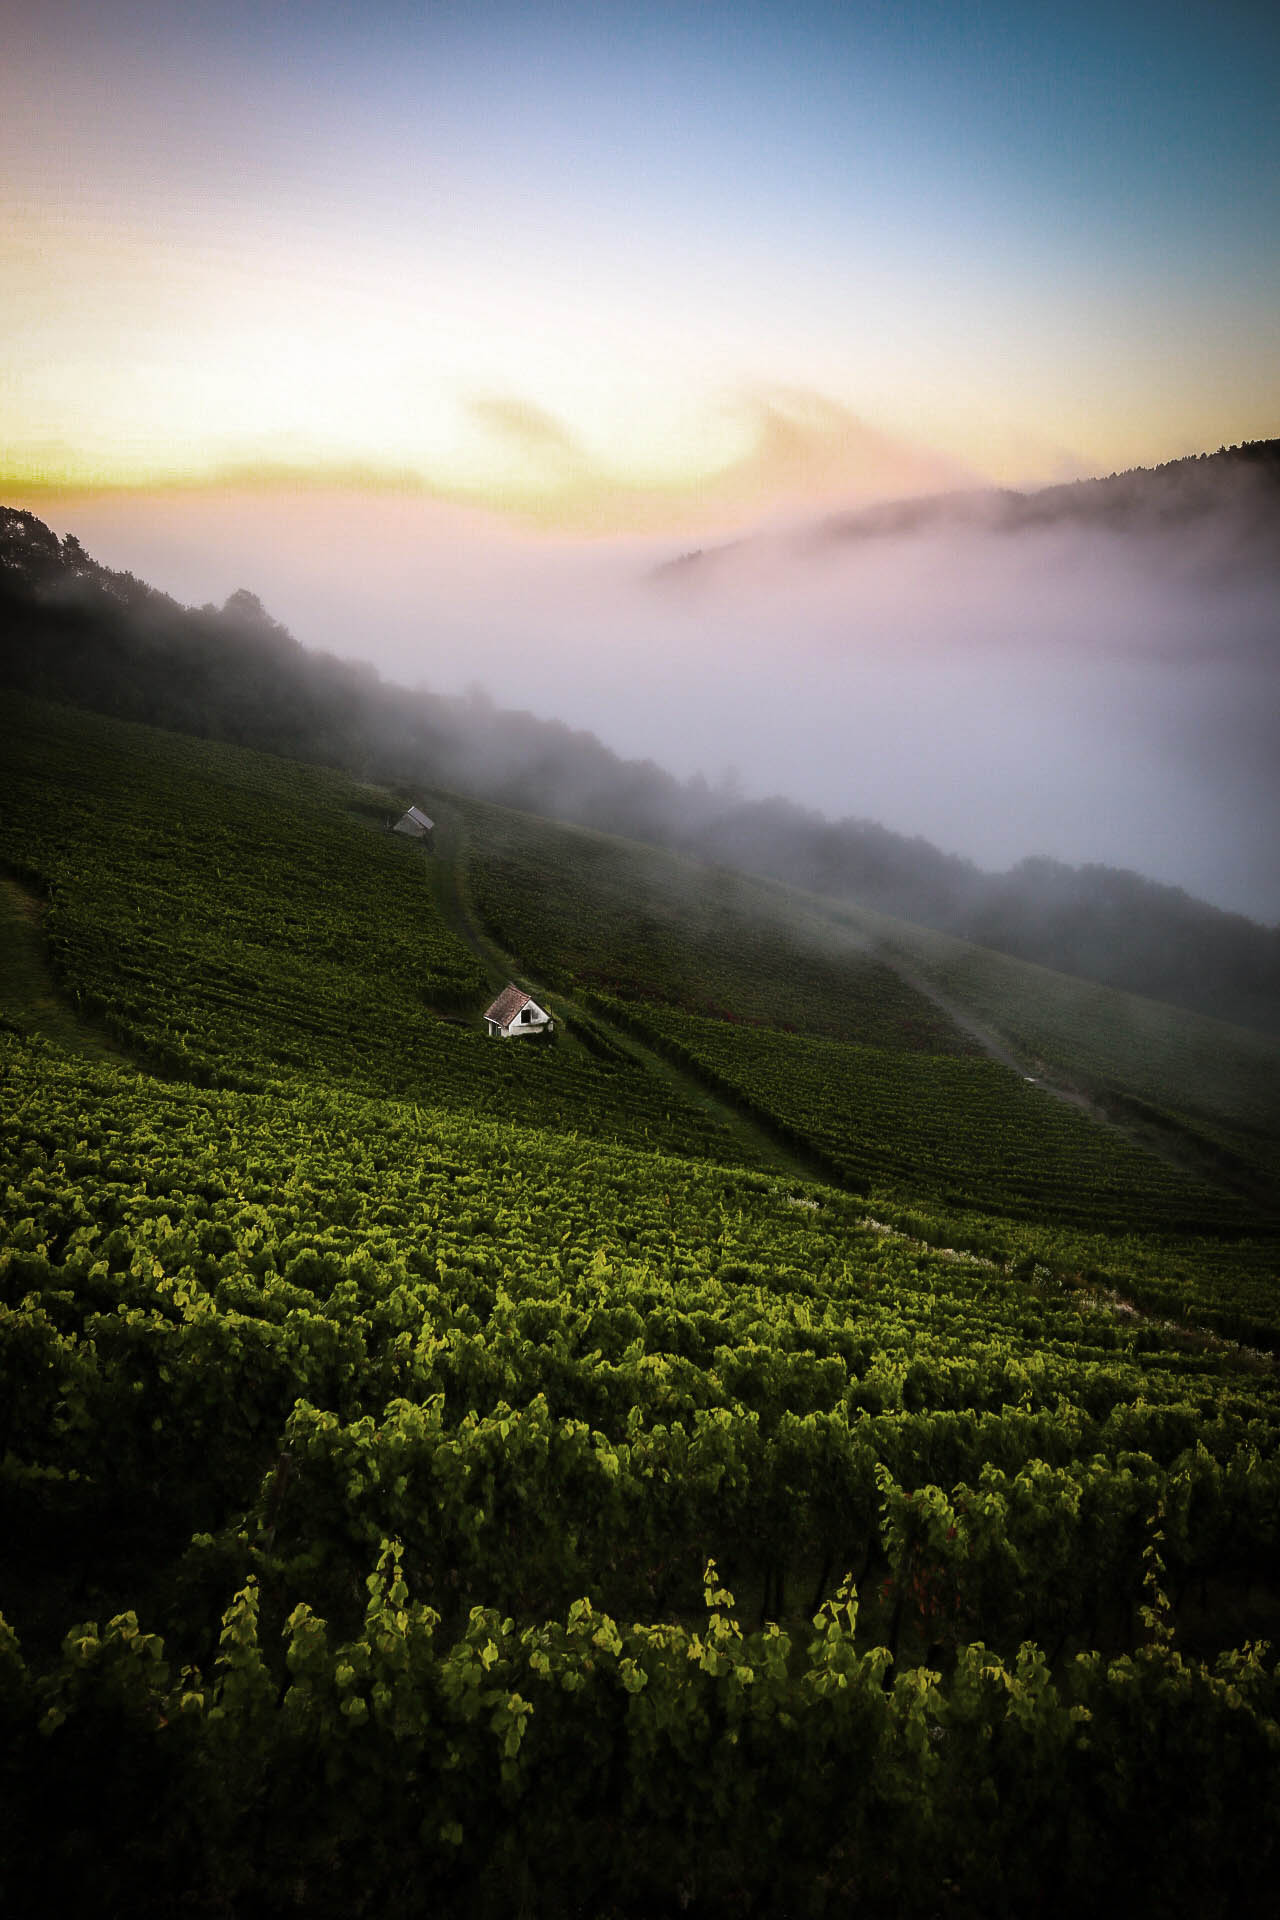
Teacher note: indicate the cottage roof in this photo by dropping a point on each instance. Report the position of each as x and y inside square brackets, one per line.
[419, 818]
[508, 1004]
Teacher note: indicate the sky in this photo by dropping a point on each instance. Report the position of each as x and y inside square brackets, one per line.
[612, 264]
[518, 290]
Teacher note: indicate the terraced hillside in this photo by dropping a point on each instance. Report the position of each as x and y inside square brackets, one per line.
[826, 1027]
[587, 910]
[422, 1496]
[234, 919]
[960, 1131]
[1199, 1081]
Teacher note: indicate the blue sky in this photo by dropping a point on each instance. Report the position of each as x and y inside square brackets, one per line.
[1026, 240]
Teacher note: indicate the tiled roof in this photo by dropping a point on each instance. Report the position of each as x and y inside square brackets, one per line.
[507, 1005]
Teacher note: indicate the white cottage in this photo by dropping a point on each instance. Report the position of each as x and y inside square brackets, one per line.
[417, 824]
[515, 1012]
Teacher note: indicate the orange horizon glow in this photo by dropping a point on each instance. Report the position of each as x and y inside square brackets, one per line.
[799, 452]
[666, 277]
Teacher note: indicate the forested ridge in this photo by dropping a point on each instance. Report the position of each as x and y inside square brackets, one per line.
[448, 1477]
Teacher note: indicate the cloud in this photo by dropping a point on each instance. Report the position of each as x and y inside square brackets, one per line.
[793, 449]
[807, 449]
[530, 428]
[1075, 690]
[798, 449]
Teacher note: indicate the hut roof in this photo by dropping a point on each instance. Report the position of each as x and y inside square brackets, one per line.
[507, 1005]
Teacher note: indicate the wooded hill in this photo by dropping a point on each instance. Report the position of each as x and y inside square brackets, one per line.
[73, 630]
[1235, 489]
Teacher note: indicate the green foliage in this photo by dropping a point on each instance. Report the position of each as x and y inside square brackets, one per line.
[554, 1764]
[963, 1132]
[613, 916]
[547, 1369]
[1214, 1085]
[398, 1463]
[239, 921]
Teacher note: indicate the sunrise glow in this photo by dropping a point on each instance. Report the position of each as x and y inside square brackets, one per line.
[601, 272]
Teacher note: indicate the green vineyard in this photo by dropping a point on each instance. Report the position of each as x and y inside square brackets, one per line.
[449, 1477]
[1183, 1071]
[959, 1131]
[582, 908]
[239, 921]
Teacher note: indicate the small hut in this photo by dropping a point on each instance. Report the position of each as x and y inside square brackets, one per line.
[515, 1013]
[417, 825]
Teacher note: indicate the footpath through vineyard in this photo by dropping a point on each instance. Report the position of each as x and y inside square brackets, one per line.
[593, 1030]
[1177, 1147]
[30, 1002]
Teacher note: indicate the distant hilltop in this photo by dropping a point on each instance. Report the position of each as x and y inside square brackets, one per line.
[1238, 485]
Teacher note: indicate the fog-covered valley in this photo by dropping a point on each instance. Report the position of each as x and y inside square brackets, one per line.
[992, 714]
[1097, 681]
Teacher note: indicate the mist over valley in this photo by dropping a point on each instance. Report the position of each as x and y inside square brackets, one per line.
[1090, 674]
[987, 712]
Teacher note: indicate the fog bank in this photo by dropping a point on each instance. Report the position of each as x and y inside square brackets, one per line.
[1094, 694]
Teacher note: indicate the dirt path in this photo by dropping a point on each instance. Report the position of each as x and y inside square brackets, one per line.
[991, 1043]
[30, 1002]
[447, 877]
[1177, 1150]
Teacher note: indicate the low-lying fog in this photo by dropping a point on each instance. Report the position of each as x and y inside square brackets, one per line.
[1094, 695]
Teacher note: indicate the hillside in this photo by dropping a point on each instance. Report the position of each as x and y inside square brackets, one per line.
[73, 630]
[1199, 1079]
[690, 1466]
[1237, 489]
[1159, 1115]
[299, 971]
